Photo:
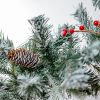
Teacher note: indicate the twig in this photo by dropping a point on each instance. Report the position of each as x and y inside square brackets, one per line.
[90, 31]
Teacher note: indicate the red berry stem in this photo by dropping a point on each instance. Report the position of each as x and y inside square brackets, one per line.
[81, 27]
[71, 31]
[90, 31]
[96, 23]
[64, 33]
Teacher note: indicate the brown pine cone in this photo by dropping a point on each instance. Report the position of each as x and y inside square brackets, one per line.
[22, 57]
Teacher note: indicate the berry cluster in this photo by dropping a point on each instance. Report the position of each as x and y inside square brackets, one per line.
[64, 32]
[81, 29]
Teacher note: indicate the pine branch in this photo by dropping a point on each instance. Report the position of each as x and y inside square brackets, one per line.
[96, 3]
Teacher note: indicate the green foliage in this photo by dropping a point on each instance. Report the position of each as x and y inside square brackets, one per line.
[64, 60]
[64, 66]
[5, 45]
[85, 79]
[96, 3]
[81, 15]
[43, 44]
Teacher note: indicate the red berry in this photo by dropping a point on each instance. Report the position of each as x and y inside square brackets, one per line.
[96, 23]
[81, 27]
[64, 32]
[71, 31]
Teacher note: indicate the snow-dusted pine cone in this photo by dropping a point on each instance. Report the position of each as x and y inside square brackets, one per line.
[22, 57]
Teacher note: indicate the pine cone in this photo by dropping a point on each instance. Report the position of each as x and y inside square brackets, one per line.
[22, 57]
